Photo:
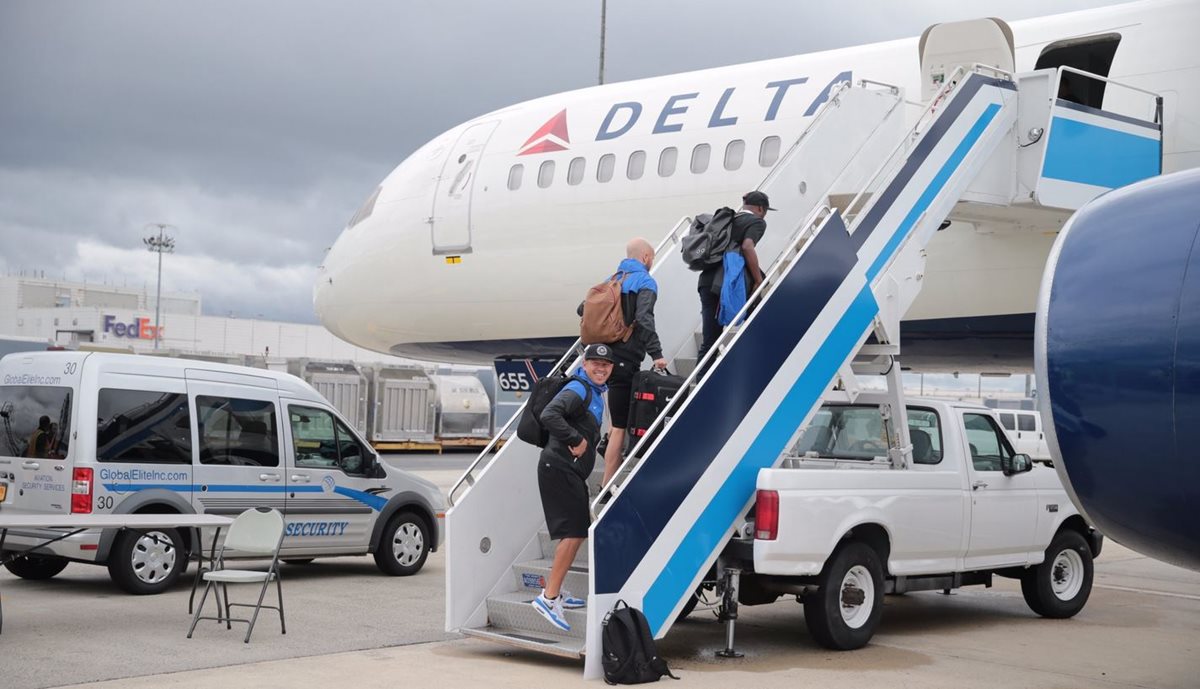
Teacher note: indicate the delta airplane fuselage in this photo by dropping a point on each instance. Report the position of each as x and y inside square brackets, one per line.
[484, 241]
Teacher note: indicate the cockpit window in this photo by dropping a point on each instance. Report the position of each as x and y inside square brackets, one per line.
[368, 207]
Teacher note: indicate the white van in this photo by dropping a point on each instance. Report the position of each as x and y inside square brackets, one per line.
[1025, 430]
[177, 435]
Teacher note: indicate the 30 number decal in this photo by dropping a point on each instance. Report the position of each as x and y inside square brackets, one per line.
[71, 368]
[104, 502]
[514, 381]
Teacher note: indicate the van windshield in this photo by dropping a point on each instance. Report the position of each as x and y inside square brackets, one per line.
[37, 421]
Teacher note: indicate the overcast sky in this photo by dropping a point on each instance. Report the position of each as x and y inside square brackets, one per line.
[257, 128]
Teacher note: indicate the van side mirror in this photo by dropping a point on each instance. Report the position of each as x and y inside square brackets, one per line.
[1017, 464]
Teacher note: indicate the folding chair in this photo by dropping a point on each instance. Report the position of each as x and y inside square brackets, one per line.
[257, 531]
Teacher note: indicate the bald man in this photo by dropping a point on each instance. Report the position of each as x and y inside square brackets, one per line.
[639, 292]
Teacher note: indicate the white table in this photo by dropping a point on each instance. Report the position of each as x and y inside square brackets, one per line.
[77, 523]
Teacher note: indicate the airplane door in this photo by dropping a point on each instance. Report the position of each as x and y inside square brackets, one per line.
[944, 47]
[450, 220]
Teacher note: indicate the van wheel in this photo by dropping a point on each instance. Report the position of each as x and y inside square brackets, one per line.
[36, 567]
[1059, 587]
[844, 612]
[403, 545]
[146, 563]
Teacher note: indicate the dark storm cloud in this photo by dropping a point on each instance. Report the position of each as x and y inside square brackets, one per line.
[258, 128]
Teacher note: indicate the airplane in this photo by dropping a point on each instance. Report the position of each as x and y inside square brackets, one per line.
[484, 240]
[1118, 364]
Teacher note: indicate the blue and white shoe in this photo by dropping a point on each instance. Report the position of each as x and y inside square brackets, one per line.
[571, 602]
[552, 610]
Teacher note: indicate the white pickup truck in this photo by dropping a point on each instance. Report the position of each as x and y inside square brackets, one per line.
[844, 520]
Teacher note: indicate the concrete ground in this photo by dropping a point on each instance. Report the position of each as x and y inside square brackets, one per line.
[347, 622]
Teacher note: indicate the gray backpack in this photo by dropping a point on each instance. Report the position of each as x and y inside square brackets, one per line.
[705, 245]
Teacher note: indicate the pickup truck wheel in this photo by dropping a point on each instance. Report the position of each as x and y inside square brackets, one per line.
[36, 567]
[403, 545]
[146, 563]
[1059, 587]
[844, 612]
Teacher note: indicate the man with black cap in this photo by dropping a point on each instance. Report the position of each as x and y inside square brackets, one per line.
[573, 421]
[748, 227]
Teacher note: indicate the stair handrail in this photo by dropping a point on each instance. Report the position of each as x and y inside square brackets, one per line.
[834, 95]
[808, 227]
[900, 151]
[568, 359]
[1063, 69]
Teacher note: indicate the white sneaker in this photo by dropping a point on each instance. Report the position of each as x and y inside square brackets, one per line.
[552, 610]
[571, 602]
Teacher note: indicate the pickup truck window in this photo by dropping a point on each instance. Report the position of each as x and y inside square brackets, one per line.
[1008, 422]
[988, 443]
[925, 433]
[1026, 422]
[857, 432]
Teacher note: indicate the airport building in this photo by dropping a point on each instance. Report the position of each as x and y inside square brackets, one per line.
[79, 314]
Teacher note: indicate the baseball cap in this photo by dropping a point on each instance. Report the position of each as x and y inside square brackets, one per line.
[598, 351]
[757, 198]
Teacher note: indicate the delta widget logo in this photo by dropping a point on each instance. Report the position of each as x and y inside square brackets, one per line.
[550, 137]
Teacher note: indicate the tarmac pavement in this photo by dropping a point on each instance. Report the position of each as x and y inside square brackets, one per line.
[347, 623]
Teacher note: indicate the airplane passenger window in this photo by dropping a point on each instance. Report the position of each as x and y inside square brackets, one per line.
[637, 165]
[605, 167]
[700, 156]
[734, 152]
[768, 152]
[546, 174]
[575, 172]
[514, 177]
[666, 161]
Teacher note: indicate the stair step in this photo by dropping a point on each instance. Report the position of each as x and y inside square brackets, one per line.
[514, 611]
[684, 366]
[548, 545]
[531, 577]
[554, 644]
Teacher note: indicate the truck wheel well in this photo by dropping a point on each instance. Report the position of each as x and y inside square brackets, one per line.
[1075, 522]
[159, 508]
[873, 535]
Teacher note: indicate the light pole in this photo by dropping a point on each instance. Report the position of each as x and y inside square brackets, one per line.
[603, 22]
[160, 245]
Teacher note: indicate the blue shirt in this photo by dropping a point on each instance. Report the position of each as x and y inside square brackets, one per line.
[596, 407]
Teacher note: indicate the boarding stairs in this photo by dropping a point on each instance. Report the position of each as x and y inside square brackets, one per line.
[833, 297]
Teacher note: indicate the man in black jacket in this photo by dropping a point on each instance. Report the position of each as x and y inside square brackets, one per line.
[639, 293]
[749, 226]
[573, 420]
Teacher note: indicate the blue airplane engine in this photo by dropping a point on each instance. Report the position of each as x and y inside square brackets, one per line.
[1117, 354]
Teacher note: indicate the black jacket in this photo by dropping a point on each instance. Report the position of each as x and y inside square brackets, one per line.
[568, 421]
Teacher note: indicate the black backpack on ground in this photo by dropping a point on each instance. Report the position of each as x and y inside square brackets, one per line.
[628, 652]
[529, 426]
[710, 237]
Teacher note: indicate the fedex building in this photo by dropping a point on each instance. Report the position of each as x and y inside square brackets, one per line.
[77, 314]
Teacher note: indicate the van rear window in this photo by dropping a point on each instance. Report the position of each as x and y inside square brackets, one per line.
[143, 426]
[237, 432]
[37, 421]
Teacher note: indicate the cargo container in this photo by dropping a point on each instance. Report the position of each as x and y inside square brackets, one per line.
[402, 404]
[341, 383]
[464, 413]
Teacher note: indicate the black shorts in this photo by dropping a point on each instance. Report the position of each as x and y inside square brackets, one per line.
[620, 393]
[564, 500]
